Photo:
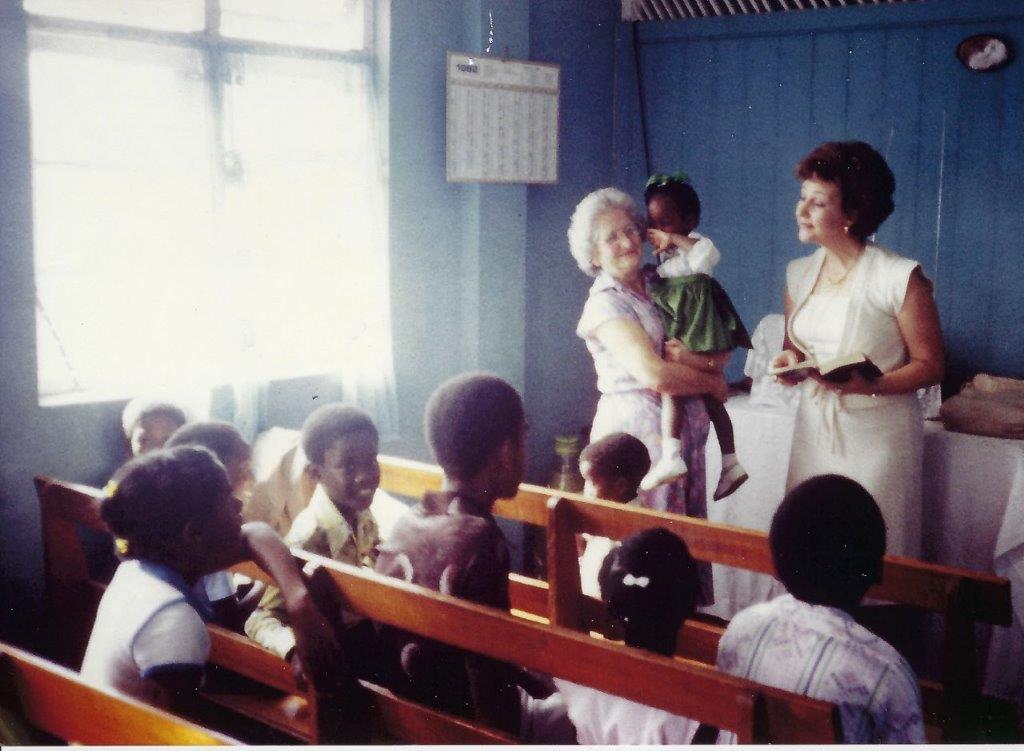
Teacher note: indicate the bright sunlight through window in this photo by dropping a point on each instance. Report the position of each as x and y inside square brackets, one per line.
[207, 194]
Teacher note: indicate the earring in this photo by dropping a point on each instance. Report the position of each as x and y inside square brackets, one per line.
[846, 229]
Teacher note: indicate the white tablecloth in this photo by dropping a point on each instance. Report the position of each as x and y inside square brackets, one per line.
[973, 497]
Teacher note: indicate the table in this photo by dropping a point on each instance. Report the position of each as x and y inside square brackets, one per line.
[973, 516]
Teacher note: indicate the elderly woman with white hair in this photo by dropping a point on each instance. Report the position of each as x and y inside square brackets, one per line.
[624, 333]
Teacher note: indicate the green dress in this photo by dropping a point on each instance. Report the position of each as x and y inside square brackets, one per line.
[698, 312]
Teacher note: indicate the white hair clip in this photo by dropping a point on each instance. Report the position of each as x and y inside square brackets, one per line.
[635, 581]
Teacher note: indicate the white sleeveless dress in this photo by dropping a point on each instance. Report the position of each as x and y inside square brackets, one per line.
[877, 441]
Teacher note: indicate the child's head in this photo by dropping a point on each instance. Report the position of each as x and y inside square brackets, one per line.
[828, 539]
[614, 466]
[474, 422]
[226, 443]
[341, 443]
[175, 506]
[672, 204]
[650, 583]
[148, 423]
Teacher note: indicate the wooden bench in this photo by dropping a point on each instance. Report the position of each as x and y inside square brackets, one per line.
[275, 702]
[56, 701]
[755, 713]
[961, 597]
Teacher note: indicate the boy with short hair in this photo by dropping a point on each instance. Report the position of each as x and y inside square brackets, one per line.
[226, 443]
[148, 423]
[827, 540]
[340, 443]
[613, 468]
[451, 543]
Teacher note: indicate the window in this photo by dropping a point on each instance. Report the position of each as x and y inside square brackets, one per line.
[207, 195]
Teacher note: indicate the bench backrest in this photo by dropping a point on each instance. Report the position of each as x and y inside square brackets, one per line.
[755, 713]
[58, 702]
[961, 596]
[985, 597]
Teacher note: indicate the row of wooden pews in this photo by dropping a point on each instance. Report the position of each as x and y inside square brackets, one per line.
[548, 631]
[756, 713]
[954, 705]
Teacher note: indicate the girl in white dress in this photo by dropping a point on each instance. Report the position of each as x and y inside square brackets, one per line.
[649, 583]
[849, 297]
[176, 520]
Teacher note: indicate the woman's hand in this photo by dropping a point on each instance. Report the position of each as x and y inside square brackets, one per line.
[709, 362]
[785, 359]
[629, 344]
[856, 384]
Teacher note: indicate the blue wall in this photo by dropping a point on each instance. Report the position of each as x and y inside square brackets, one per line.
[737, 102]
[560, 392]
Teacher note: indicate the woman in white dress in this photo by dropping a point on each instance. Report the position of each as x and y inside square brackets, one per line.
[849, 297]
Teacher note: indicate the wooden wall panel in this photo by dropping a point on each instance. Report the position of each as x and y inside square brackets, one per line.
[736, 102]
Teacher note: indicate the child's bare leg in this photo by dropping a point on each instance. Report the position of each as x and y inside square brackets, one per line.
[733, 475]
[671, 466]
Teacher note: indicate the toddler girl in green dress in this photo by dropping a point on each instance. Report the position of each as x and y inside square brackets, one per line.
[696, 311]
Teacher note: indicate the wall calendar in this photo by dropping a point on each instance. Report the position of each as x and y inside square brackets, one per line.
[502, 123]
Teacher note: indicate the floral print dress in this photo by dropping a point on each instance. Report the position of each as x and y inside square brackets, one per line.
[627, 406]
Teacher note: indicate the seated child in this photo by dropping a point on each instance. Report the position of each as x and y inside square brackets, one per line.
[227, 444]
[827, 540]
[341, 444]
[148, 423]
[650, 584]
[283, 485]
[451, 543]
[612, 468]
[177, 520]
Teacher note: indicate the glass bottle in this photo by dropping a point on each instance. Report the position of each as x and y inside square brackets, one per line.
[567, 476]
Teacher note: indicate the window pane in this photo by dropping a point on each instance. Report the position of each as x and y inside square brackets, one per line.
[324, 24]
[165, 15]
[314, 279]
[123, 215]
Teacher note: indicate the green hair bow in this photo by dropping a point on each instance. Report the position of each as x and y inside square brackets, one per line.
[659, 180]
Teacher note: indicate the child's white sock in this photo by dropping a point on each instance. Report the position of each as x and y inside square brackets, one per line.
[670, 467]
[728, 460]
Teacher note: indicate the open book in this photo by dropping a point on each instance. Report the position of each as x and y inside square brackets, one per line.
[836, 370]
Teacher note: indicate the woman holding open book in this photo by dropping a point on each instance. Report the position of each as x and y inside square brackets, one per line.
[862, 335]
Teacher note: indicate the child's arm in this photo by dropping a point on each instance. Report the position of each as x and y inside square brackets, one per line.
[178, 690]
[662, 241]
[703, 256]
[315, 643]
[269, 626]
